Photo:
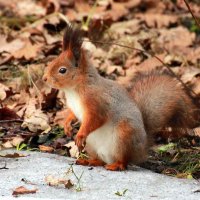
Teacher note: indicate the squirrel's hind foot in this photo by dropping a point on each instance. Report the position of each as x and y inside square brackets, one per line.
[117, 166]
[89, 162]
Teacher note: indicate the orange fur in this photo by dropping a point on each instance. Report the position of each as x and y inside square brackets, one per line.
[117, 166]
[128, 138]
[154, 102]
[67, 125]
[90, 162]
[163, 103]
[95, 115]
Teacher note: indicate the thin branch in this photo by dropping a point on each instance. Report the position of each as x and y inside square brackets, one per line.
[11, 120]
[145, 52]
[190, 10]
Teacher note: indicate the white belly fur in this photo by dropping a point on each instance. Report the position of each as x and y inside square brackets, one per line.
[74, 103]
[102, 141]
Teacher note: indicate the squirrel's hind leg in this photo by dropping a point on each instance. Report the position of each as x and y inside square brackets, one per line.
[131, 146]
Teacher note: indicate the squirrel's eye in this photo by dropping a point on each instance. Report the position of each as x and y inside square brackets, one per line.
[62, 70]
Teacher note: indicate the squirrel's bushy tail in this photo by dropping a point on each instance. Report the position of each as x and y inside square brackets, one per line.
[163, 103]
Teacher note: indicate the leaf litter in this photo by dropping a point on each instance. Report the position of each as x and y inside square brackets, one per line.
[30, 36]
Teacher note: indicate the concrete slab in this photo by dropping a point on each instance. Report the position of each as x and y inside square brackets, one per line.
[96, 183]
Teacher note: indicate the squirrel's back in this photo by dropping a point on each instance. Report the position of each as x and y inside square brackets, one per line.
[163, 102]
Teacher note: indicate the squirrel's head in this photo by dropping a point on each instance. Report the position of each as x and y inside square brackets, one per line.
[67, 70]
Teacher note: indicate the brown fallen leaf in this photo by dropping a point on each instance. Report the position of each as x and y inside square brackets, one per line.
[3, 90]
[52, 181]
[197, 131]
[118, 10]
[46, 148]
[28, 51]
[29, 7]
[7, 144]
[61, 117]
[189, 74]
[10, 46]
[73, 149]
[82, 6]
[179, 36]
[17, 140]
[14, 155]
[23, 190]
[191, 54]
[127, 27]
[51, 6]
[68, 184]
[49, 100]
[35, 119]
[153, 6]
[8, 114]
[157, 20]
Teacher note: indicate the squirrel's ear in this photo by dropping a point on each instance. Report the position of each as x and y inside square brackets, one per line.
[72, 41]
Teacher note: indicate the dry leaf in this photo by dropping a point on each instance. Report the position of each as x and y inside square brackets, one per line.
[127, 27]
[68, 184]
[8, 114]
[7, 145]
[179, 36]
[189, 73]
[50, 39]
[23, 190]
[157, 20]
[49, 100]
[3, 90]
[17, 140]
[10, 46]
[46, 148]
[29, 7]
[197, 131]
[117, 11]
[14, 155]
[61, 117]
[190, 54]
[73, 149]
[29, 51]
[52, 181]
[82, 6]
[35, 119]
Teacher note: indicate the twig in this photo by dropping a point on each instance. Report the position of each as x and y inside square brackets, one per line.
[194, 17]
[5, 166]
[11, 120]
[145, 52]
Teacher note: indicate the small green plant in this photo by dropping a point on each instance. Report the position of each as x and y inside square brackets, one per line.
[21, 146]
[78, 178]
[167, 147]
[121, 193]
[83, 155]
[85, 24]
[58, 132]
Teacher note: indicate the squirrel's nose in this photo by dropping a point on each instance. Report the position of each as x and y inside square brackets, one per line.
[44, 78]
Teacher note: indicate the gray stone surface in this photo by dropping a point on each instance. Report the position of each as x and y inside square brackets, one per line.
[96, 183]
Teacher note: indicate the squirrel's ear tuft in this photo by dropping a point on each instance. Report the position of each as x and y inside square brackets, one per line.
[72, 40]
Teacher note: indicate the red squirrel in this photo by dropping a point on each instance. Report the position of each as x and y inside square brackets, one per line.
[116, 123]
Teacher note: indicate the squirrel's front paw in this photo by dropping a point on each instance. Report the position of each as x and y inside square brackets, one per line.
[80, 141]
[68, 129]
